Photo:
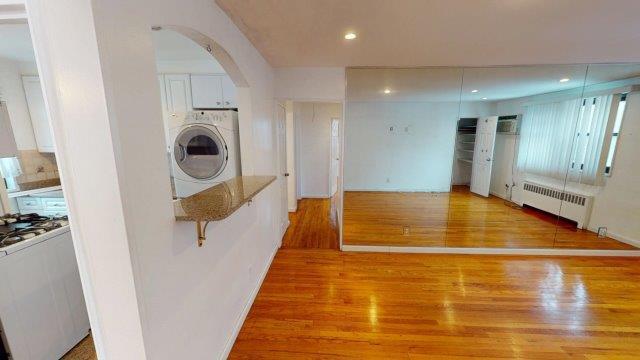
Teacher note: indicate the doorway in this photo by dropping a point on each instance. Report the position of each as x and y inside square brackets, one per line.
[316, 172]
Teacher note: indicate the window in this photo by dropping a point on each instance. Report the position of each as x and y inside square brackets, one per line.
[564, 139]
[615, 134]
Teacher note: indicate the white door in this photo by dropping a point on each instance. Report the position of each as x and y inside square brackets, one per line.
[206, 91]
[38, 113]
[483, 155]
[335, 155]
[178, 88]
[282, 165]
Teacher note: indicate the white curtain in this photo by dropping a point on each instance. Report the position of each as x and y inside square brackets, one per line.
[564, 138]
[546, 137]
[589, 138]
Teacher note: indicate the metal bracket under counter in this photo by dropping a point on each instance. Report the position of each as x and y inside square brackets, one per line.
[219, 202]
[202, 229]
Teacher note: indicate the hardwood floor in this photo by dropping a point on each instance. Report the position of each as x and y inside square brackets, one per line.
[458, 219]
[329, 304]
[313, 225]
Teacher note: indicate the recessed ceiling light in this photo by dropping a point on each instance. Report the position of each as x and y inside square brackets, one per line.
[484, 98]
[474, 91]
[387, 91]
[564, 79]
[350, 36]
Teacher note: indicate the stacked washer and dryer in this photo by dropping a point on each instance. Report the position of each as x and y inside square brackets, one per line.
[204, 149]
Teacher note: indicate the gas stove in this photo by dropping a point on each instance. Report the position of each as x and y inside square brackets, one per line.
[15, 228]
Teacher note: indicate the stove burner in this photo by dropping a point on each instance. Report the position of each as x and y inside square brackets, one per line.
[25, 226]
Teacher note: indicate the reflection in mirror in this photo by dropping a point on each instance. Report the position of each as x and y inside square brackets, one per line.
[506, 164]
[479, 157]
[499, 157]
[200, 114]
[602, 188]
[399, 132]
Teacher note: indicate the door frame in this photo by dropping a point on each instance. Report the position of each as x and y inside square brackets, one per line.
[281, 142]
[334, 176]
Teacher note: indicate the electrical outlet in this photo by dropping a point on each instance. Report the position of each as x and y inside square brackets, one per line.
[602, 231]
[406, 230]
[388, 180]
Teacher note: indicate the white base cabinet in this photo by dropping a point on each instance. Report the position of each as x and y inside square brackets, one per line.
[42, 306]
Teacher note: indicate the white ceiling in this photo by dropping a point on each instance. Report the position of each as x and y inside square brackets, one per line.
[403, 33]
[15, 42]
[494, 83]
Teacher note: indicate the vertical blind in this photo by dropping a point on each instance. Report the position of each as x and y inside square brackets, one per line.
[564, 138]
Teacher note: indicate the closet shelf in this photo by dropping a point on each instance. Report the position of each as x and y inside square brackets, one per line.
[466, 160]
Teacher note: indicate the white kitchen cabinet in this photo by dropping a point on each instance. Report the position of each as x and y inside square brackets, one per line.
[213, 91]
[41, 301]
[45, 206]
[206, 91]
[229, 93]
[178, 93]
[38, 113]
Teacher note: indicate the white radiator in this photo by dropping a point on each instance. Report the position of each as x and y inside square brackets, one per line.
[569, 205]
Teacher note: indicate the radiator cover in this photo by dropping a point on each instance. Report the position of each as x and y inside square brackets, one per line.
[569, 205]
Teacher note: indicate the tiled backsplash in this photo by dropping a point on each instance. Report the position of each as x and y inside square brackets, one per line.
[37, 166]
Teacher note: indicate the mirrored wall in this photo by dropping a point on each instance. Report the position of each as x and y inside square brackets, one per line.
[497, 157]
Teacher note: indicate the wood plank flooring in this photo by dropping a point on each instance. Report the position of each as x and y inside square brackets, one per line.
[458, 219]
[329, 304]
[313, 225]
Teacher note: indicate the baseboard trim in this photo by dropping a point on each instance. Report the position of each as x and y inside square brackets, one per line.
[442, 191]
[314, 197]
[489, 251]
[621, 238]
[247, 307]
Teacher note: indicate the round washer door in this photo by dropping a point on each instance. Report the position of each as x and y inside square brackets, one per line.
[200, 152]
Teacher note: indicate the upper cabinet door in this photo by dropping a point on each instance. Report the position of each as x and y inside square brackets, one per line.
[178, 92]
[38, 113]
[229, 93]
[206, 91]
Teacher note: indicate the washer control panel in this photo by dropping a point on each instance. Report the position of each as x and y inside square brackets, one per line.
[207, 117]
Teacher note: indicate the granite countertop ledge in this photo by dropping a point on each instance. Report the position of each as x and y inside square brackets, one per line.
[34, 187]
[221, 200]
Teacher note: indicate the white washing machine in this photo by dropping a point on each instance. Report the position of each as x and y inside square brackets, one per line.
[204, 149]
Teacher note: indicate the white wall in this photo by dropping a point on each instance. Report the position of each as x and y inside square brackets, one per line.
[313, 121]
[310, 83]
[419, 159]
[12, 92]
[151, 291]
[617, 206]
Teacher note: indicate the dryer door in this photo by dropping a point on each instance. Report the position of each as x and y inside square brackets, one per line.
[200, 152]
